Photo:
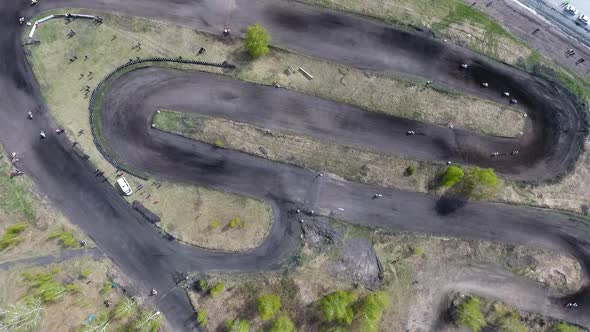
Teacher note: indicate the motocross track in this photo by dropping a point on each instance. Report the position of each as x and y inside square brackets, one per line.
[548, 147]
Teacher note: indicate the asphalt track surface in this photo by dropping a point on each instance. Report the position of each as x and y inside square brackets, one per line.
[548, 148]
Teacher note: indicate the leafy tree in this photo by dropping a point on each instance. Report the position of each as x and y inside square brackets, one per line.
[23, 316]
[234, 222]
[257, 40]
[511, 323]
[217, 289]
[268, 304]
[468, 314]
[336, 307]
[410, 170]
[237, 325]
[370, 311]
[480, 184]
[282, 324]
[452, 176]
[564, 327]
[202, 317]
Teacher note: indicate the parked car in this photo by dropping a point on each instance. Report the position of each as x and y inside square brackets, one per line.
[124, 186]
[584, 19]
[571, 10]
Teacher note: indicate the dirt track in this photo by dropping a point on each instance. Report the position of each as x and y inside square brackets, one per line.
[153, 262]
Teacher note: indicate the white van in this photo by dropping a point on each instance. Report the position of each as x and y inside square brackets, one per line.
[124, 186]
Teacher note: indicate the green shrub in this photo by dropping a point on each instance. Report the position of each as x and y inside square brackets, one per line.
[410, 170]
[125, 308]
[511, 323]
[268, 304]
[217, 289]
[85, 274]
[106, 287]
[257, 40]
[235, 222]
[202, 317]
[419, 251]
[480, 184]
[336, 307]
[371, 309]
[282, 324]
[452, 176]
[219, 143]
[564, 327]
[65, 238]
[11, 236]
[468, 314]
[203, 286]
[214, 225]
[237, 325]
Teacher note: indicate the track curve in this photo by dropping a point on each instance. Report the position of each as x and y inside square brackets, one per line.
[152, 261]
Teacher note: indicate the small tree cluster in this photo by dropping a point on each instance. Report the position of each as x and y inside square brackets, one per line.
[237, 325]
[337, 306]
[511, 323]
[217, 289]
[469, 314]
[410, 170]
[282, 324]
[480, 184]
[370, 310]
[268, 304]
[202, 317]
[452, 176]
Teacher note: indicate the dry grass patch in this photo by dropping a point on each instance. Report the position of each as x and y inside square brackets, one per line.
[351, 163]
[209, 218]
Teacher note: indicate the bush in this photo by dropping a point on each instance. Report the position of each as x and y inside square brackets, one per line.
[217, 289]
[11, 237]
[268, 304]
[235, 222]
[202, 317]
[282, 324]
[371, 310]
[237, 325]
[468, 314]
[219, 143]
[511, 323]
[419, 251]
[336, 307]
[85, 274]
[564, 327]
[480, 184]
[214, 225]
[202, 284]
[126, 308]
[257, 40]
[65, 238]
[410, 170]
[452, 176]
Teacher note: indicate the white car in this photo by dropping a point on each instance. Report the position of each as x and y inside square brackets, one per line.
[584, 19]
[571, 10]
[124, 186]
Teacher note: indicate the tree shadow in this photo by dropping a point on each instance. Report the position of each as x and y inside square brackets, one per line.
[451, 201]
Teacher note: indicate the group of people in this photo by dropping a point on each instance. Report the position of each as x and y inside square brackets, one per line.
[42, 133]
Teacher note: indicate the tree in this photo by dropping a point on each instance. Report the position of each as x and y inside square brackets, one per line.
[23, 316]
[480, 184]
[282, 324]
[214, 225]
[217, 289]
[257, 40]
[410, 170]
[336, 307]
[127, 307]
[371, 309]
[202, 317]
[268, 304]
[452, 176]
[564, 327]
[468, 314]
[237, 325]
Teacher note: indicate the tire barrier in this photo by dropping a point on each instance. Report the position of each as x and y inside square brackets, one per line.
[93, 108]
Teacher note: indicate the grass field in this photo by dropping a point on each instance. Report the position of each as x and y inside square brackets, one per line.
[65, 295]
[404, 259]
[27, 219]
[452, 18]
